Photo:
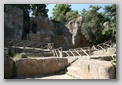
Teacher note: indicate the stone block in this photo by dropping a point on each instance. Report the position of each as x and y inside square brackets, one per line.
[111, 51]
[94, 69]
[31, 67]
[9, 68]
[99, 52]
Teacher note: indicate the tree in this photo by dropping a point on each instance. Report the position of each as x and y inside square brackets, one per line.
[71, 15]
[110, 14]
[60, 11]
[92, 26]
[36, 9]
[39, 9]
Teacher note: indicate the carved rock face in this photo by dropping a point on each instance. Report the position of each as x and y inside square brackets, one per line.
[13, 22]
[74, 29]
[70, 30]
[81, 19]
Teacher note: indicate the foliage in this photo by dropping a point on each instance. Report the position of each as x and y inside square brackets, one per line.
[110, 33]
[64, 13]
[92, 26]
[71, 15]
[36, 9]
[110, 13]
[60, 11]
[39, 9]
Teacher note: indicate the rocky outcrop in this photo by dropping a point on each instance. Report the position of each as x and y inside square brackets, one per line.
[13, 22]
[9, 67]
[73, 33]
[42, 29]
[31, 67]
[111, 51]
[40, 23]
[108, 51]
[93, 69]
[60, 41]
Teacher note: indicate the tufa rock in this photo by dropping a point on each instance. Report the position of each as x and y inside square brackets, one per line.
[9, 68]
[31, 67]
[93, 69]
[13, 22]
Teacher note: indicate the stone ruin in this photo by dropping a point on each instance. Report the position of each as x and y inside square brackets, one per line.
[13, 22]
[65, 35]
[43, 30]
[58, 46]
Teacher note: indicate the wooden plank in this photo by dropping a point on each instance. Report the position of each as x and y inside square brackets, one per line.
[77, 52]
[53, 53]
[66, 53]
[101, 47]
[56, 52]
[71, 52]
[84, 52]
[19, 43]
[60, 53]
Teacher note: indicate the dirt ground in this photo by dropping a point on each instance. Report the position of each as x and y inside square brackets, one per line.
[61, 76]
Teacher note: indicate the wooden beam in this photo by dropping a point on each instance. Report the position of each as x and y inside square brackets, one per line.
[71, 52]
[84, 52]
[77, 52]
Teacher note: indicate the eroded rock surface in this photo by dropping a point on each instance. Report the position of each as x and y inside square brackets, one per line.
[30, 67]
[9, 67]
[13, 22]
[93, 69]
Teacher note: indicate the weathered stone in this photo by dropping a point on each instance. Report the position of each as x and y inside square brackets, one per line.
[70, 30]
[43, 23]
[73, 33]
[23, 55]
[11, 51]
[111, 51]
[99, 52]
[9, 67]
[102, 57]
[94, 69]
[106, 24]
[13, 22]
[60, 41]
[30, 67]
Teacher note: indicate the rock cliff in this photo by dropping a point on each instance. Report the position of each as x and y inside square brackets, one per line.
[13, 22]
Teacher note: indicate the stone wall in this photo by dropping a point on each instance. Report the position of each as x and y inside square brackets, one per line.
[13, 22]
[43, 29]
[41, 23]
[60, 41]
[71, 32]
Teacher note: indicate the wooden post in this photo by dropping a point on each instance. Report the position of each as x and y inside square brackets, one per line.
[60, 52]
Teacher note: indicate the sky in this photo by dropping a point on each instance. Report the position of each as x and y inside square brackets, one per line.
[78, 7]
